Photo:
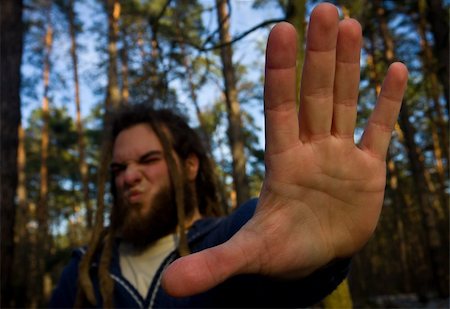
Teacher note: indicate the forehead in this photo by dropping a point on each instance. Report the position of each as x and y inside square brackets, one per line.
[135, 141]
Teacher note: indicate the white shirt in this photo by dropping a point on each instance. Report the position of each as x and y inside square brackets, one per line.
[139, 267]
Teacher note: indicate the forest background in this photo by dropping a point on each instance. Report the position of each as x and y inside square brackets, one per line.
[64, 63]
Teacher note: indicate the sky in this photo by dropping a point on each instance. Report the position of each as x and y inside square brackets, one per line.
[246, 51]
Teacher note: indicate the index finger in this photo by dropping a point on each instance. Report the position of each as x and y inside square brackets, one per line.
[281, 120]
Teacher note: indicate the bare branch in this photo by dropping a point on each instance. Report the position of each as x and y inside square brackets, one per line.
[202, 48]
[244, 34]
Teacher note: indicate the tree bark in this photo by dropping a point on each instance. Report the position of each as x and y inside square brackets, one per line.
[437, 122]
[22, 256]
[11, 55]
[235, 135]
[112, 102]
[399, 206]
[113, 92]
[438, 18]
[42, 207]
[124, 93]
[84, 170]
[295, 14]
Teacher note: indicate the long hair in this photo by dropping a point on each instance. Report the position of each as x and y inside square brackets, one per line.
[176, 136]
[183, 140]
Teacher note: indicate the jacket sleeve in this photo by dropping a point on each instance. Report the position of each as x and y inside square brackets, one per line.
[64, 294]
[261, 291]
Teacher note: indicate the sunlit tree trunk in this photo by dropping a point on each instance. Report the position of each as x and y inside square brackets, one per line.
[295, 14]
[84, 170]
[112, 102]
[11, 55]
[43, 240]
[22, 236]
[235, 136]
[113, 92]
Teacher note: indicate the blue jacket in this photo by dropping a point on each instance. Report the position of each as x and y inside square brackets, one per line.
[239, 291]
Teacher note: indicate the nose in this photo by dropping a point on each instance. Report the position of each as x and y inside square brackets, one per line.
[132, 175]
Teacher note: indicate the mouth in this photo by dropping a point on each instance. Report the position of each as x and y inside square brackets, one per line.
[134, 196]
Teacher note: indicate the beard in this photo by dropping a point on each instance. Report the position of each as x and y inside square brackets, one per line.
[160, 220]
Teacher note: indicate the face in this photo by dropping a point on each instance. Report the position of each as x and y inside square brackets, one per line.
[138, 165]
[145, 208]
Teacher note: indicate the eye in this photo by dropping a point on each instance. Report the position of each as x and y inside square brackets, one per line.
[149, 159]
[116, 169]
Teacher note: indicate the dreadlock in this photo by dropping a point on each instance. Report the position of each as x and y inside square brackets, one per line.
[176, 137]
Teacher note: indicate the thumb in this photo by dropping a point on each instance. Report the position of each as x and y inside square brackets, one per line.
[201, 271]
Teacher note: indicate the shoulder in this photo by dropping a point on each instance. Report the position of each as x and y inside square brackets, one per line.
[71, 268]
[213, 231]
[65, 292]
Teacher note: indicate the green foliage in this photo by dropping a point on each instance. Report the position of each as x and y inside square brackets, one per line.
[62, 161]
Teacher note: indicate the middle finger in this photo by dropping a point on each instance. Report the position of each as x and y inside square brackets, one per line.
[316, 95]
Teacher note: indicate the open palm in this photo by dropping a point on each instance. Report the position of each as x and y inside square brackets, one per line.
[322, 194]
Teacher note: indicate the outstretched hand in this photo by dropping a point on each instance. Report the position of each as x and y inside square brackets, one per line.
[322, 194]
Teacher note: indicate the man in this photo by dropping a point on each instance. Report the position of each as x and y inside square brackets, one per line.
[319, 204]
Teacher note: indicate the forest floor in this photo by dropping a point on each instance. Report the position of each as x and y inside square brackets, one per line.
[406, 301]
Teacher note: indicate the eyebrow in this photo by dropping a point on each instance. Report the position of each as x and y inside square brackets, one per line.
[151, 153]
[145, 156]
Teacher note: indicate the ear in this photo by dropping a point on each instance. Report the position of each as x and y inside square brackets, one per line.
[191, 165]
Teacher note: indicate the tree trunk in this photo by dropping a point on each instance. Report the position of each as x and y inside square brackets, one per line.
[125, 94]
[235, 135]
[112, 102]
[295, 14]
[438, 18]
[113, 92]
[23, 258]
[399, 206]
[141, 42]
[433, 239]
[42, 207]
[201, 119]
[11, 54]
[437, 122]
[84, 170]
